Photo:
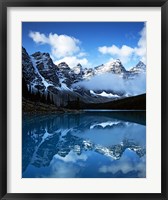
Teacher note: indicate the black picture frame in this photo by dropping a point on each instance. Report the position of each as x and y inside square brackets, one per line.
[4, 4]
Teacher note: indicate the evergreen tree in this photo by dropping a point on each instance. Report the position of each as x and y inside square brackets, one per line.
[42, 98]
[38, 96]
[68, 102]
[48, 98]
[25, 92]
[78, 103]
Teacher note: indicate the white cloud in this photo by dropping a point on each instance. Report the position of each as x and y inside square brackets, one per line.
[61, 45]
[114, 50]
[72, 157]
[81, 54]
[63, 48]
[126, 165]
[38, 37]
[63, 170]
[126, 53]
[68, 166]
[108, 82]
[141, 49]
[72, 61]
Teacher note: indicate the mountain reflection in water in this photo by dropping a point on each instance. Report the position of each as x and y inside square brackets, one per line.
[85, 145]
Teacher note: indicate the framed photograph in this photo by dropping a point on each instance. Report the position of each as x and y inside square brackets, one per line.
[83, 99]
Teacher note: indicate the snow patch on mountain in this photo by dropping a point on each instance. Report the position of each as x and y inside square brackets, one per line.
[104, 94]
[108, 95]
[44, 82]
[139, 68]
[115, 67]
[63, 85]
[105, 124]
[88, 73]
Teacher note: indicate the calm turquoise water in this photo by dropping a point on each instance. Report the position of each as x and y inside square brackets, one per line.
[91, 144]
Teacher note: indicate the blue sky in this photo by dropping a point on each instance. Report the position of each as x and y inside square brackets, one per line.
[88, 43]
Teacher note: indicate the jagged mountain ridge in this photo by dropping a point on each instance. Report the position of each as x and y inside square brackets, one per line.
[140, 67]
[41, 74]
[115, 67]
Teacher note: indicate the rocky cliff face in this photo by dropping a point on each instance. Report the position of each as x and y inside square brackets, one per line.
[114, 67]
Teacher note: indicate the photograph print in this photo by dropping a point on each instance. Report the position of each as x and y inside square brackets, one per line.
[84, 99]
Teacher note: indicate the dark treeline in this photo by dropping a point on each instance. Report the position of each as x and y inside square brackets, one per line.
[130, 103]
[48, 97]
[36, 96]
[73, 102]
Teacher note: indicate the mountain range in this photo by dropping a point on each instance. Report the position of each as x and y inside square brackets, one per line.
[64, 84]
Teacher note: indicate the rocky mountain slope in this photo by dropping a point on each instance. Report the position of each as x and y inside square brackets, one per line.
[64, 84]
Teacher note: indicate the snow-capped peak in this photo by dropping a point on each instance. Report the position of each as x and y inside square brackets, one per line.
[63, 66]
[43, 61]
[114, 66]
[78, 69]
[140, 67]
[79, 65]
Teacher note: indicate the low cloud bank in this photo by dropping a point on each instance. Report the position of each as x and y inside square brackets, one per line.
[115, 83]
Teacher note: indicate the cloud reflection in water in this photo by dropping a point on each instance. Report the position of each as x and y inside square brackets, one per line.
[85, 145]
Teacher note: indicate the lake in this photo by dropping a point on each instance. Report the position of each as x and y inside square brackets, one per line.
[87, 144]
